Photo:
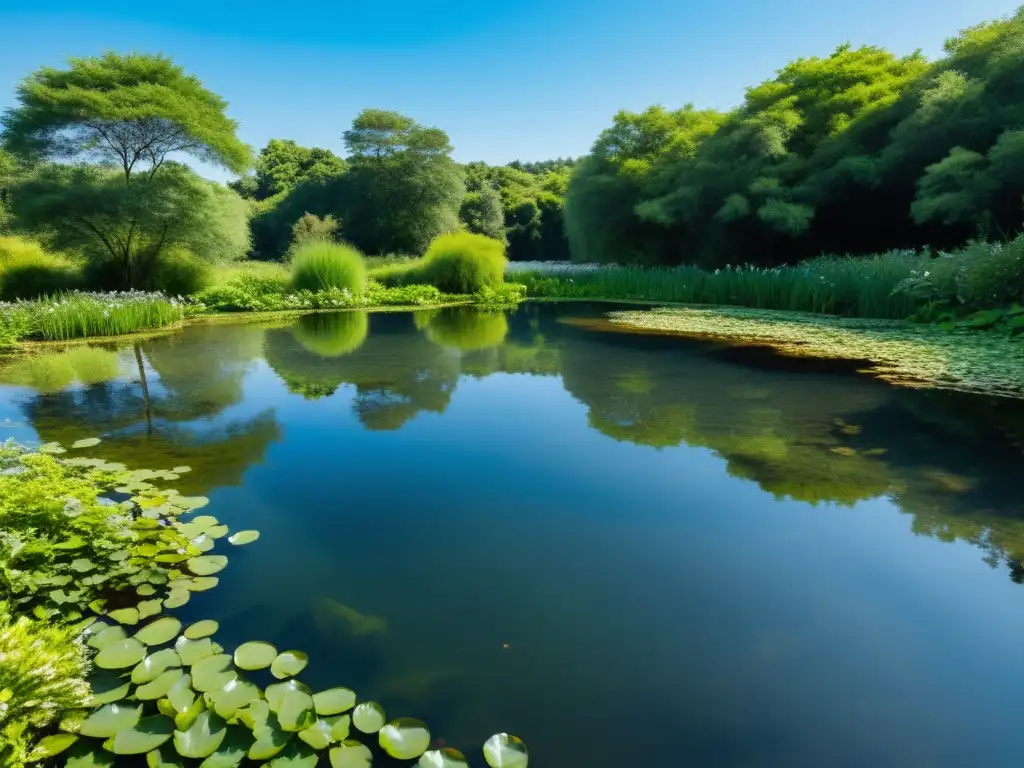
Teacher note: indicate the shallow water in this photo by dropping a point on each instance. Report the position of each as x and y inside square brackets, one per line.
[628, 550]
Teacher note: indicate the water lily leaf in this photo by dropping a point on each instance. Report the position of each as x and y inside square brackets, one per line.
[404, 738]
[82, 565]
[107, 687]
[164, 757]
[164, 706]
[193, 651]
[288, 664]
[333, 701]
[217, 531]
[109, 719]
[505, 751]
[232, 751]
[276, 692]
[107, 636]
[351, 754]
[181, 470]
[203, 543]
[49, 746]
[270, 739]
[296, 711]
[207, 565]
[145, 736]
[233, 696]
[196, 583]
[160, 687]
[295, 755]
[368, 717]
[51, 448]
[177, 598]
[339, 727]
[154, 665]
[145, 590]
[149, 608]
[255, 715]
[201, 629]
[203, 738]
[442, 758]
[128, 616]
[255, 655]
[243, 537]
[318, 735]
[161, 631]
[120, 655]
[87, 754]
[71, 722]
[212, 673]
[191, 502]
[184, 720]
[180, 697]
[86, 442]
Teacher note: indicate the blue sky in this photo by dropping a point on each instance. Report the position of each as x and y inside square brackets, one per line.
[507, 79]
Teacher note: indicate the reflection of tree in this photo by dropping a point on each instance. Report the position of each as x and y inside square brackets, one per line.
[466, 328]
[172, 412]
[397, 373]
[814, 438]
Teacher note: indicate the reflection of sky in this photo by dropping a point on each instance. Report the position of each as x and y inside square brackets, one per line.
[657, 610]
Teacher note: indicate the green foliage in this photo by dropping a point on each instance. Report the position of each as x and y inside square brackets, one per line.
[283, 164]
[132, 111]
[320, 265]
[482, 214]
[467, 329]
[42, 677]
[51, 373]
[313, 229]
[462, 262]
[334, 334]
[28, 271]
[177, 272]
[81, 315]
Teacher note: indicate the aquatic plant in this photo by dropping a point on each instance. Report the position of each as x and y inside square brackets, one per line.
[80, 315]
[320, 265]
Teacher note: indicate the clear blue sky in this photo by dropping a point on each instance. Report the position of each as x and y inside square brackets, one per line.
[507, 79]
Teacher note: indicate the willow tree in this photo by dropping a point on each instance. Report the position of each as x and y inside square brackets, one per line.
[134, 113]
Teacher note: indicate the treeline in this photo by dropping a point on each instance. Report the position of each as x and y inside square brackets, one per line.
[398, 188]
[862, 151]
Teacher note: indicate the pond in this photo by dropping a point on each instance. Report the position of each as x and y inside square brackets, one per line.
[629, 550]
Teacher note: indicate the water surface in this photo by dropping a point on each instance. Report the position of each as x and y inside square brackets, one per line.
[628, 550]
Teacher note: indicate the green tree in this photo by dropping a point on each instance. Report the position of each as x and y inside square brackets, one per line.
[313, 229]
[482, 214]
[283, 164]
[402, 188]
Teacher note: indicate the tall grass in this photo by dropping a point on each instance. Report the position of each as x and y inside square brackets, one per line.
[28, 271]
[318, 266]
[462, 262]
[80, 315]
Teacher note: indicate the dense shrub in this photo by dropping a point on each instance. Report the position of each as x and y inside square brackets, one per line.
[28, 271]
[177, 272]
[991, 274]
[462, 262]
[311, 228]
[320, 265]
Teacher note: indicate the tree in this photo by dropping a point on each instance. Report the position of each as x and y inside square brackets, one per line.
[402, 188]
[283, 164]
[481, 213]
[311, 229]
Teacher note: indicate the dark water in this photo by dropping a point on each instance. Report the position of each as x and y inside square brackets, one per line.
[628, 550]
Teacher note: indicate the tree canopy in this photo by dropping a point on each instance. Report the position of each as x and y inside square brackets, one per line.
[283, 164]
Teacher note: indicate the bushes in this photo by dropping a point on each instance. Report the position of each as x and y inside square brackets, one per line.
[462, 262]
[178, 273]
[317, 266]
[28, 271]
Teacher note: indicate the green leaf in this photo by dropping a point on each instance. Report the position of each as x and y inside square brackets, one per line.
[203, 738]
[82, 565]
[243, 537]
[49, 746]
[212, 673]
[177, 598]
[334, 701]
[232, 751]
[206, 565]
[288, 664]
[296, 711]
[368, 717]
[146, 735]
[149, 608]
[154, 665]
[86, 442]
[505, 751]
[295, 755]
[109, 719]
[128, 616]
[233, 696]
[160, 687]
[164, 757]
[318, 735]
[181, 696]
[276, 692]
[120, 655]
[404, 738]
[88, 754]
[194, 651]
[255, 655]
[184, 720]
[442, 758]
[351, 754]
[161, 631]
[201, 629]
[105, 637]
[270, 739]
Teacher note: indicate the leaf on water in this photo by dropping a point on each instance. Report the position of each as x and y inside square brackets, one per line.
[193, 651]
[121, 654]
[368, 717]
[212, 673]
[201, 629]
[86, 442]
[276, 692]
[180, 696]
[160, 687]
[351, 754]
[243, 537]
[154, 665]
[232, 750]
[255, 654]
[202, 738]
[270, 738]
[288, 664]
[334, 701]
[505, 751]
[442, 758]
[107, 687]
[404, 738]
[88, 754]
[109, 719]
[146, 735]
[207, 565]
[295, 755]
[233, 696]
[177, 598]
[49, 746]
[128, 616]
[161, 631]
[106, 636]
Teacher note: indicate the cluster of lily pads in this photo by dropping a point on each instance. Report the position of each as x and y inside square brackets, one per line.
[170, 692]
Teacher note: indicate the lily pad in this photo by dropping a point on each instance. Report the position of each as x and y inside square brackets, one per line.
[161, 631]
[191, 502]
[86, 442]
[351, 754]
[107, 636]
[203, 738]
[505, 751]
[212, 673]
[88, 754]
[270, 739]
[164, 757]
[184, 720]
[145, 590]
[255, 655]
[129, 616]
[154, 665]
[334, 701]
[276, 692]
[203, 543]
[49, 746]
[318, 735]
[255, 715]
[368, 717]
[121, 655]
[288, 664]
[149, 608]
[201, 629]
[232, 750]
[243, 537]
[194, 651]
[181, 697]
[296, 711]
[146, 735]
[196, 583]
[160, 687]
[404, 738]
[233, 696]
[177, 598]
[217, 531]
[207, 565]
[442, 758]
[109, 719]
[181, 470]
[295, 755]
[107, 687]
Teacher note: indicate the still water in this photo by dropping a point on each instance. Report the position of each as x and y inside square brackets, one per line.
[628, 550]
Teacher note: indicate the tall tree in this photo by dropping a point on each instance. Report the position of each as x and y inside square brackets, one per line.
[283, 164]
